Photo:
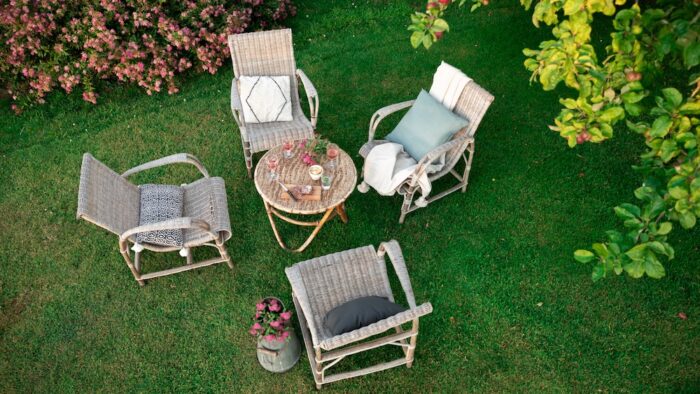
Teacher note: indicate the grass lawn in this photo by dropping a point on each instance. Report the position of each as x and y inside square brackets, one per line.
[513, 311]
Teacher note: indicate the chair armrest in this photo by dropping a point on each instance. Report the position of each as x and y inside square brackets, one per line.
[311, 95]
[236, 104]
[393, 249]
[438, 151]
[383, 113]
[377, 327]
[176, 158]
[171, 224]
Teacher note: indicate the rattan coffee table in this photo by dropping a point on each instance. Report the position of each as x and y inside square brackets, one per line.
[295, 171]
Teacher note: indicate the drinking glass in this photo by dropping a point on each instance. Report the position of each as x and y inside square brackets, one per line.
[326, 181]
[332, 152]
[288, 149]
[272, 163]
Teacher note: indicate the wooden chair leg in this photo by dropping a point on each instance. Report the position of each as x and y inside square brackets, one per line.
[412, 344]
[124, 250]
[406, 206]
[224, 252]
[248, 154]
[319, 369]
[468, 168]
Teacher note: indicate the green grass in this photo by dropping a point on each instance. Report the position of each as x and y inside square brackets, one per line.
[73, 319]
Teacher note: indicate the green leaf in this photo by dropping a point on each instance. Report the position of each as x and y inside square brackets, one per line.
[661, 126]
[691, 55]
[612, 115]
[440, 25]
[673, 96]
[598, 272]
[635, 269]
[691, 108]
[417, 38]
[601, 250]
[678, 192]
[638, 252]
[687, 220]
[627, 211]
[653, 267]
[583, 256]
[427, 41]
[645, 193]
[664, 228]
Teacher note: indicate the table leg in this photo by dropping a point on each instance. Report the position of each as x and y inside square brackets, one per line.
[269, 211]
[318, 227]
[340, 208]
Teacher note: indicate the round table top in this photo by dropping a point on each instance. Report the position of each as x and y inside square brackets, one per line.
[295, 171]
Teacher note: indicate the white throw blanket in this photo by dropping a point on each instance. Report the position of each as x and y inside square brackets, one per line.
[387, 165]
[448, 84]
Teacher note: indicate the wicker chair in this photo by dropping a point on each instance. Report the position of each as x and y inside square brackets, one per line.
[472, 105]
[108, 200]
[270, 53]
[322, 283]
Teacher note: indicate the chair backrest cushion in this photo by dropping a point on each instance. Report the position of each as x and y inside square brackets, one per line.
[159, 203]
[105, 198]
[265, 99]
[427, 125]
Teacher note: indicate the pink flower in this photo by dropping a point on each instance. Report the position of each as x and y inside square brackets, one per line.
[260, 307]
[253, 332]
[286, 315]
[275, 324]
[257, 326]
[275, 306]
[269, 337]
[284, 336]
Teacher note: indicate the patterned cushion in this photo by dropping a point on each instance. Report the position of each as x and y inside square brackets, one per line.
[265, 99]
[159, 203]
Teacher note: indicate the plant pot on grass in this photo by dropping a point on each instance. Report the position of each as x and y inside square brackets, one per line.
[278, 346]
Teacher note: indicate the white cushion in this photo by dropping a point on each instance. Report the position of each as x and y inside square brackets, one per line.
[265, 99]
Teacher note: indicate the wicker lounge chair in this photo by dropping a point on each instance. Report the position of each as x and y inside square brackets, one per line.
[270, 53]
[322, 283]
[472, 105]
[110, 201]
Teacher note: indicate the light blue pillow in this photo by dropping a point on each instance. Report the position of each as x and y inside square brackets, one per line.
[427, 125]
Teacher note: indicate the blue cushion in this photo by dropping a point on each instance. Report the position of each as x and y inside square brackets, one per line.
[427, 125]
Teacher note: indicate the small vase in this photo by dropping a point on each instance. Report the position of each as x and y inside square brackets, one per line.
[279, 356]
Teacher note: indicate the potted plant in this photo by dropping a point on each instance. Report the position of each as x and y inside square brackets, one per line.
[278, 347]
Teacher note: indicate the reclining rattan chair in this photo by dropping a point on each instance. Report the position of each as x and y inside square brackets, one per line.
[108, 200]
[270, 53]
[472, 105]
[323, 283]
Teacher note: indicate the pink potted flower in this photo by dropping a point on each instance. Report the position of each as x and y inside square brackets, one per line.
[278, 348]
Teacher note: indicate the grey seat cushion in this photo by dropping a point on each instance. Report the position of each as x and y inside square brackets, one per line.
[359, 313]
[159, 203]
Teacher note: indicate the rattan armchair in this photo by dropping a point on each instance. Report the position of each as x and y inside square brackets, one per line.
[110, 201]
[323, 283]
[472, 105]
[270, 53]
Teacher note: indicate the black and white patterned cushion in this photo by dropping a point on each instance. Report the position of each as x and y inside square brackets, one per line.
[159, 203]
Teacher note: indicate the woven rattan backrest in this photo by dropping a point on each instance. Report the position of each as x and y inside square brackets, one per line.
[337, 278]
[472, 105]
[265, 53]
[105, 198]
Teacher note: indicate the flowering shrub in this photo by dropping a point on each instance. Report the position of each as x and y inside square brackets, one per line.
[271, 321]
[315, 149]
[74, 44]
